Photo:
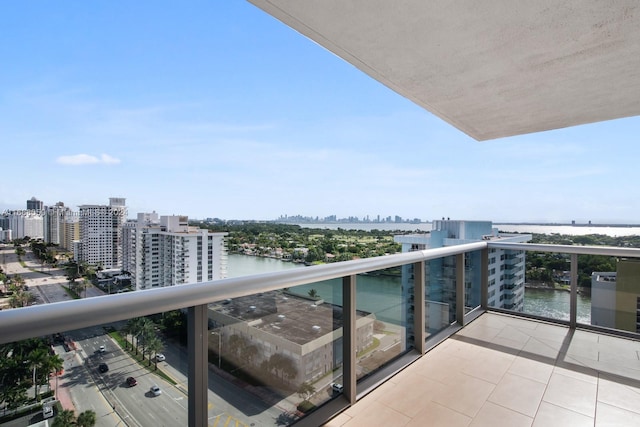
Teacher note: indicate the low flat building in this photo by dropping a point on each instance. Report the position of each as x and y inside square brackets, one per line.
[304, 331]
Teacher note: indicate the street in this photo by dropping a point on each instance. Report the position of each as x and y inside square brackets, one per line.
[108, 394]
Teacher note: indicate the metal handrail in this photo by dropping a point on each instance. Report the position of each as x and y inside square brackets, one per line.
[567, 249]
[40, 320]
[18, 324]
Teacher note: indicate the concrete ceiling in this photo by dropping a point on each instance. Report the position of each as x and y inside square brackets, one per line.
[490, 68]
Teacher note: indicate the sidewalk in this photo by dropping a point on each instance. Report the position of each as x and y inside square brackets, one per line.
[59, 382]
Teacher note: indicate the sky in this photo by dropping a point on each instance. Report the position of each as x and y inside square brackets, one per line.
[215, 109]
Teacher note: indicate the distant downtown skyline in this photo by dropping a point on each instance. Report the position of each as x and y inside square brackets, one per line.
[222, 111]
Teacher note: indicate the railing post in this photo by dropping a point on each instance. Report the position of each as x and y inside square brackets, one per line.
[573, 295]
[419, 308]
[349, 337]
[484, 279]
[460, 289]
[198, 367]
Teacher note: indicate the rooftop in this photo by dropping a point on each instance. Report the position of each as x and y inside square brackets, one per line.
[295, 318]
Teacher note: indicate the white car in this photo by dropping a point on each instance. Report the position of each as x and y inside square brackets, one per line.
[155, 390]
[47, 411]
[337, 387]
[160, 357]
[102, 349]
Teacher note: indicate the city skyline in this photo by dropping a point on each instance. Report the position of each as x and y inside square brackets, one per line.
[218, 110]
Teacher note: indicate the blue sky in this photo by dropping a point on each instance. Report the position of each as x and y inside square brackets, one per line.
[215, 109]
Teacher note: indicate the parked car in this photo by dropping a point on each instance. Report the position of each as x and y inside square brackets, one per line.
[102, 349]
[160, 357]
[155, 390]
[103, 367]
[47, 411]
[337, 387]
[131, 381]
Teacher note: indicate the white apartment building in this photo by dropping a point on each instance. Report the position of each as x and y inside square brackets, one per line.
[168, 252]
[101, 233]
[506, 270]
[24, 223]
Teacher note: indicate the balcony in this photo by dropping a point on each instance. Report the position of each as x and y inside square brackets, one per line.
[518, 371]
[441, 357]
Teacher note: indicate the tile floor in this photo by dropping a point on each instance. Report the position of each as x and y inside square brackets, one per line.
[507, 371]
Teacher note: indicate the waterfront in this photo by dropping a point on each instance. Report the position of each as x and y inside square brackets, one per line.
[382, 295]
[578, 230]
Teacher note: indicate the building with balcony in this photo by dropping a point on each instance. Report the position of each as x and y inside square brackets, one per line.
[505, 270]
[166, 251]
[55, 218]
[70, 231]
[101, 233]
[490, 69]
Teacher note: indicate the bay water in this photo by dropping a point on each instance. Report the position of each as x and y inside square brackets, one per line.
[382, 295]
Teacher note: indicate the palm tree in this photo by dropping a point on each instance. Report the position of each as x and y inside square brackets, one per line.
[53, 365]
[147, 332]
[154, 346]
[65, 418]
[128, 330]
[134, 327]
[36, 360]
[86, 419]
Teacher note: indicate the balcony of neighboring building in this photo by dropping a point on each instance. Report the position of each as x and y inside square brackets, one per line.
[393, 355]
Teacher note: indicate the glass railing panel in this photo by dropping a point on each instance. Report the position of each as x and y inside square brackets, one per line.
[103, 372]
[440, 294]
[381, 319]
[473, 280]
[276, 355]
[517, 283]
[609, 292]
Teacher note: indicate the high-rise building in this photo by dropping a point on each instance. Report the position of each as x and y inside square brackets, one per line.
[34, 204]
[506, 270]
[168, 252]
[101, 233]
[23, 223]
[71, 231]
[54, 219]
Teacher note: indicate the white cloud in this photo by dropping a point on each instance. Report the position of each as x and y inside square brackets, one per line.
[109, 160]
[86, 159]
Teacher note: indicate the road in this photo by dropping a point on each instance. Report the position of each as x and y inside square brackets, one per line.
[114, 402]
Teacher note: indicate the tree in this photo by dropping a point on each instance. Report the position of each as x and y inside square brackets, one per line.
[86, 419]
[306, 390]
[73, 271]
[37, 358]
[154, 346]
[53, 365]
[65, 418]
[313, 293]
[147, 333]
[134, 327]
